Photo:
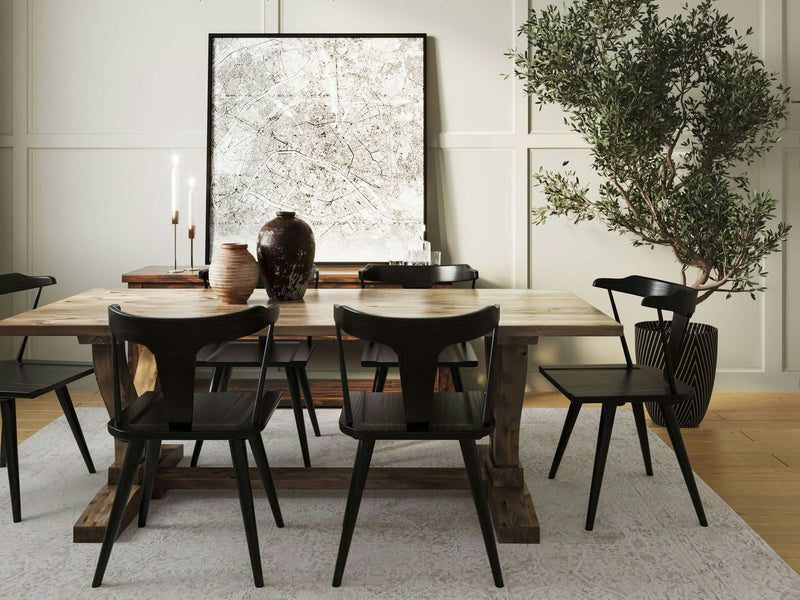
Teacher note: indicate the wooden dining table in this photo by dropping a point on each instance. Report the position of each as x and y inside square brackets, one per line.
[525, 316]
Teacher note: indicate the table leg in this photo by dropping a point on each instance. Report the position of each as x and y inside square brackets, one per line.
[91, 525]
[146, 373]
[444, 380]
[104, 373]
[510, 501]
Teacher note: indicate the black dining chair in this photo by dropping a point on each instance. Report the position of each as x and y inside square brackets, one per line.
[614, 385]
[417, 413]
[453, 357]
[22, 378]
[176, 412]
[291, 355]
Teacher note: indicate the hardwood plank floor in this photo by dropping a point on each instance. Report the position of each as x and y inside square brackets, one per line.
[747, 449]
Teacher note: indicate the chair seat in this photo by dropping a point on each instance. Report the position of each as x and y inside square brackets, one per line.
[32, 378]
[380, 355]
[248, 353]
[217, 416]
[615, 383]
[380, 415]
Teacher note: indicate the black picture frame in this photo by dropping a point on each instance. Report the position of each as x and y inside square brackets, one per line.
[340, 138]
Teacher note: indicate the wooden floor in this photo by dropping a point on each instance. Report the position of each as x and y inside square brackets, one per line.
[747, 449]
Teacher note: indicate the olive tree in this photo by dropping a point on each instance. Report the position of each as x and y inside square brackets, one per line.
[674, 109]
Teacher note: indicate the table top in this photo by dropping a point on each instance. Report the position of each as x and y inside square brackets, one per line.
[524, 314]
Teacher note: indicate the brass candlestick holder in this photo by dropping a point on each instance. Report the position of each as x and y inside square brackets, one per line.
[175, 268]
[191, 268]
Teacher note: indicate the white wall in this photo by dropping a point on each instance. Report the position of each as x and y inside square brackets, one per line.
[6, 157]
[100, 93]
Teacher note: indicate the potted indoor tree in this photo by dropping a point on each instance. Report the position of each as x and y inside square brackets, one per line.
[674, 109]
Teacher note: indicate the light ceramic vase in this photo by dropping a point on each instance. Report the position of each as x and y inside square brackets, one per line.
[233, 274]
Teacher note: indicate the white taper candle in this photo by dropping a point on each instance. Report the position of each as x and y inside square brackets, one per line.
[190, 219]
[175, 185]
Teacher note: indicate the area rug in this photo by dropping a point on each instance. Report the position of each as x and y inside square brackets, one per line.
[646, 544]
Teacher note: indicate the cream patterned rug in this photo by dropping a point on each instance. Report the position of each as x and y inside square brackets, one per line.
[423, 544]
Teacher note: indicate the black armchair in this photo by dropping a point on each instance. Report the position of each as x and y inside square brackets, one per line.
[291, 355]
[614, 385]
[454, 356]
[418, 413]
[22, 378]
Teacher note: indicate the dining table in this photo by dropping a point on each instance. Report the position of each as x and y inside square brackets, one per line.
[525, 316]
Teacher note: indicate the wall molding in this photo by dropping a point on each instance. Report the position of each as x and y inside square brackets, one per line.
[447, 139]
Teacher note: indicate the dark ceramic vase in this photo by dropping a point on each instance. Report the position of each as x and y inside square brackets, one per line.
[286, 256]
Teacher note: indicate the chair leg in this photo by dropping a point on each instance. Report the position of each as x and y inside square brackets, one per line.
[72, 419]
[380, 378]
[458, 382]
[641, 430]
[260, 454]
[8, 410]
[239, 458]
[312, 413]
[225, 379]
[357, 482]
[472, 464]
[683, 460]
[149, 479]
[603, 439]
[566, 431]
[198, 446]
[129, 466]
[294, 389]
[2, 451]
[216, 380]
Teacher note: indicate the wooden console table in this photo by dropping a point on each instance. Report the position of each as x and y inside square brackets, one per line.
[330, 276]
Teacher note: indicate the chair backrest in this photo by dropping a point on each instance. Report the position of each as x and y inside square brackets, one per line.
[417, 277]
[17, 282]
[417, 343]
[175, 341]
[203, 275]
[661, 295]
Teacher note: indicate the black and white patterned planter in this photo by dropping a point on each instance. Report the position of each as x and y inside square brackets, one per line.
[697, 367]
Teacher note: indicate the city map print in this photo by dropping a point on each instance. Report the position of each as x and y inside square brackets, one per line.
[331, 127]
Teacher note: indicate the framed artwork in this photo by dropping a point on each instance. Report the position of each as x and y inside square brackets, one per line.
[329, 126]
